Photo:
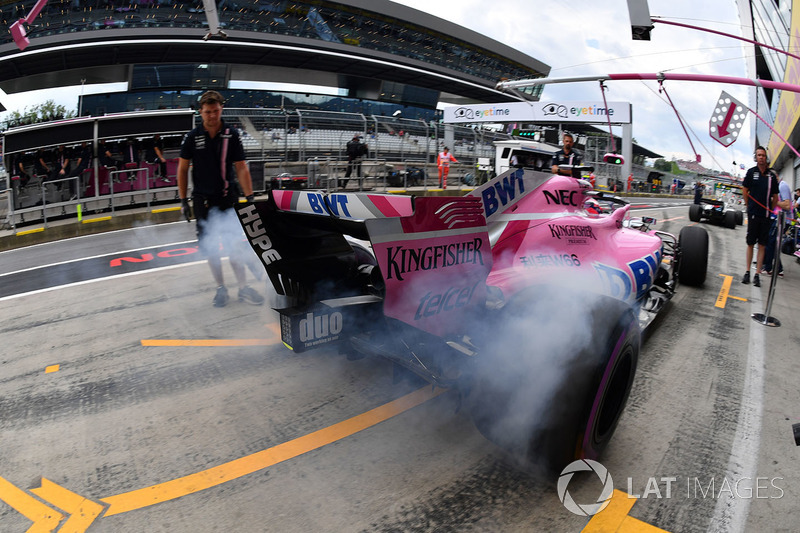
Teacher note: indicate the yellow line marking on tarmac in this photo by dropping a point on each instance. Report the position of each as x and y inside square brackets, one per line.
[29, 231]
[51, 368]
[614, 518]
[43, 517]
[176, 488]
[165, 209]
[209, 342]
[275, 328]
[724, 292]
[82, 510]
[98, 219]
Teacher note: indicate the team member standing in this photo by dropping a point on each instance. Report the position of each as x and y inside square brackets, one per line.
[217, 155]
[760, 194]
[443, 162]
[785, 203]
[566, 156]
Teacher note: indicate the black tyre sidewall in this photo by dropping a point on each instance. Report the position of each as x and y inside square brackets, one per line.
[693, 262]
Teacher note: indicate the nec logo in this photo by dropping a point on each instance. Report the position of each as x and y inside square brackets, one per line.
[561, 197]
[503, 192]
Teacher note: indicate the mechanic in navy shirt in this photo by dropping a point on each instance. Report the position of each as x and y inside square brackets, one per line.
[760, 194]
[566, 156]
[217, 156]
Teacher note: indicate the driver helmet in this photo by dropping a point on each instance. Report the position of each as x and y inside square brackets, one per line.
[593, 207]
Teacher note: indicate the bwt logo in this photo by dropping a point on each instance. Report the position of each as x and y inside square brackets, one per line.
[585, 465]
[503, 192]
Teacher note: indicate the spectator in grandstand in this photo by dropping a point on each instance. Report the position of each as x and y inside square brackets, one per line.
[20, 163]
[566, 156]
[443, 162]
[154, 154]
[356, 150]
[760, 194]
[61, 167]
[83, 158]
[42, 163]
[105, 151]
[215, 150]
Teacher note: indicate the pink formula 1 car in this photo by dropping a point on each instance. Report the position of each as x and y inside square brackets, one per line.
[517, 295]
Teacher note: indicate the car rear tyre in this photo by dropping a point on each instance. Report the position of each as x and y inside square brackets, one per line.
[547, 407]
[739, 217]
[730, 219]
[693, 261]
[695, 212]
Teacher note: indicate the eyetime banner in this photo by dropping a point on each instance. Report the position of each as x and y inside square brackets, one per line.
[545, 111]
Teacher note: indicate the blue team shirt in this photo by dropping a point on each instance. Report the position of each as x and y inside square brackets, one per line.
[205, 154]
[760, 186]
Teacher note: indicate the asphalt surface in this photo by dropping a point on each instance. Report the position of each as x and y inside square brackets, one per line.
[129, 403]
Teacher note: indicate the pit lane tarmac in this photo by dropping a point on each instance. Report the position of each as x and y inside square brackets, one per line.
[130, 404]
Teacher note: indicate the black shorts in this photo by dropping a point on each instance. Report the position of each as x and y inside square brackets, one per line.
[758, 230]
[216, 222]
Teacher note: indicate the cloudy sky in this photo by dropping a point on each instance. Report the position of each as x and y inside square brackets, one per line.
[585, 37]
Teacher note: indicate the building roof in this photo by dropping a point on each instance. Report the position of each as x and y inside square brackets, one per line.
[352, 44]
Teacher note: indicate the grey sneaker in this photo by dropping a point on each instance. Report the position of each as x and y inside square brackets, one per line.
[756, 281]
[249, 295]
[746, 278]
[221, 298]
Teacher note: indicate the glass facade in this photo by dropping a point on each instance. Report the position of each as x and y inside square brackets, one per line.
[100, 104]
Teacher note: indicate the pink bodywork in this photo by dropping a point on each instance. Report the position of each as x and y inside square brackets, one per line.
[541, 233]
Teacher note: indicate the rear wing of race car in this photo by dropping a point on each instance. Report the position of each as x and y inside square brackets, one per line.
[300, 235]
[432, 253]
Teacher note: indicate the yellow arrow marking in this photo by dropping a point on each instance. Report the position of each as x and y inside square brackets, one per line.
[43, 517]
[170, 490]
[82, 510]
[724, 292]
[615, 517]
[209, 342]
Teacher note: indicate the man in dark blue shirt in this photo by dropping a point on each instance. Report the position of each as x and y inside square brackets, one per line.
[217, 156]
[566, 156]
[760, 194]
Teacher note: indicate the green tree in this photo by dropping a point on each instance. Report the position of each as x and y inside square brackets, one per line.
[47, 110]
[663, 165]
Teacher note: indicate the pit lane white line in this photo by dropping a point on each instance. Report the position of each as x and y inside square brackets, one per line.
[87, 236]
[730, 512]
[132, 250]
[86, 282]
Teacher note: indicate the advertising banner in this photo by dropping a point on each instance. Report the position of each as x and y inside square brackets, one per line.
[544, 111]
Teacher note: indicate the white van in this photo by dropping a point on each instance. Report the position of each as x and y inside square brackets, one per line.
[529, 154]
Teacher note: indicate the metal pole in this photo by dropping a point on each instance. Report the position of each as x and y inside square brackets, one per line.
[764, 318]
